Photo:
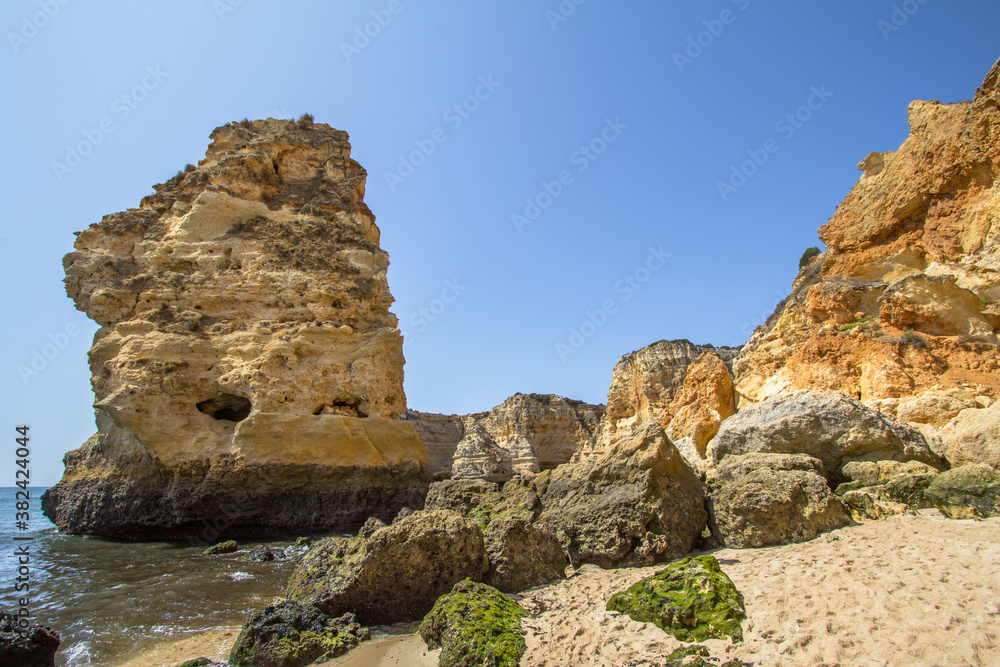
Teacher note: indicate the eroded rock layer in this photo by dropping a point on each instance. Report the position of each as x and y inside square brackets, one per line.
[247, 369]
[904, 301]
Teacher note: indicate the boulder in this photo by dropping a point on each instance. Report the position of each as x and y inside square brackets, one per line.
[522, 555]
[26, 644]
[694, 415]
[772, 506]
[733, 468]
[475, 626]
[227, 547]
[263, 554]
[973, 437]
[462, 496]
[637, 503]
[827, 425]
[397, 573]
[292, 634]
[692, 599]
[880, 489]
[483, 501]
[966, 492]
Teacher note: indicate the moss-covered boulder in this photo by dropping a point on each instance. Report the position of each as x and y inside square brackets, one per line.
[292, 634]
[397, 573]
[227, 547]
[692, 599]
[969, 491]
[200, 662]
[475, 626]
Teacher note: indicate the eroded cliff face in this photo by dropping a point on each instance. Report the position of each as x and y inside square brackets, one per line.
[247, 369]
[654, 384]
[526, 433]
[904, 303]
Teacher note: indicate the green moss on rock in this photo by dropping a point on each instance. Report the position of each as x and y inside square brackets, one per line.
[226, 547]
[967, 492]
[698, 656]
[475, 626]
[692, 599]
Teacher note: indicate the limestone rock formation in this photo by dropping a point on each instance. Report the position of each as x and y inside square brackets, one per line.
[527, 433]
[771, 506]
[522, 555]
[397, 573]
[638, 503]
[973, 436]
[904, 300]
[247, 369]
[650, 384]
[827, 425]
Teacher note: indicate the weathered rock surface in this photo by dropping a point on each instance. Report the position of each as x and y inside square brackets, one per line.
[475, 626]
[772, 506]
[691, 599]
[527, 433]
[247, 369]
[397, 573]
[904, 299]
[969, 491]
[638, 503]
[827, 425]
[32, 646]
[292, 634]
[645, 383]
[522, 555]
[973, 436]
[699, 408]
[733, 468]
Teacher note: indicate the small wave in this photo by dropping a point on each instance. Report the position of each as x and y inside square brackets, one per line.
[240, 576]
[78, 654]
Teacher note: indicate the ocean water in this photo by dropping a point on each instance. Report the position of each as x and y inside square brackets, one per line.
[109, 600]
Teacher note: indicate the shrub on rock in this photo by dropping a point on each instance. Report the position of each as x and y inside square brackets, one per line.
[692, 599]
[475, 625]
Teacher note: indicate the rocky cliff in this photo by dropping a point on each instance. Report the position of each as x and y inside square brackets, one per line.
[904, 302]
[247, 369]
[525, 433]
[653, 384]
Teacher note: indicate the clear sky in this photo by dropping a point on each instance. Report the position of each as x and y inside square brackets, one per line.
[606, 128]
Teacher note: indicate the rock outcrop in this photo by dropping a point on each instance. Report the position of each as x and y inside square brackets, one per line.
[652, 384]
[638, 503]
[247, 370]
[527, 433]
[827, 425]
[397, 573]
[904, 301]
[26, 644]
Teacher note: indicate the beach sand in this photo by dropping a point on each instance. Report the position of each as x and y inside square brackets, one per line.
[907, 591]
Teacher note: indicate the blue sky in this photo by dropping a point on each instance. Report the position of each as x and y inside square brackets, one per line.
[617, 121]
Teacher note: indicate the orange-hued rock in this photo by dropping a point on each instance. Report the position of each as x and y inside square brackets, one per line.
[903, 301]
[697, 411]
[247, 370]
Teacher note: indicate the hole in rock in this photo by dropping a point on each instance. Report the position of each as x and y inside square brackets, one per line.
[342, 408]
[226, 407]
